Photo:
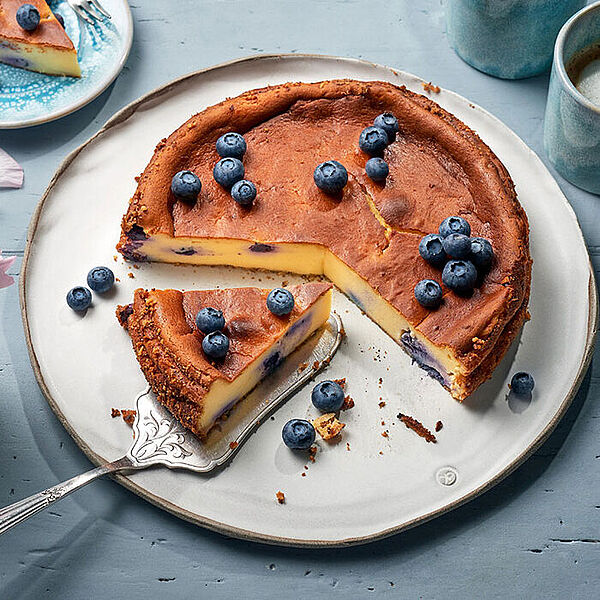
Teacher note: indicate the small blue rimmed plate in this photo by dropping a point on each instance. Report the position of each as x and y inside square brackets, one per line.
[28, 98]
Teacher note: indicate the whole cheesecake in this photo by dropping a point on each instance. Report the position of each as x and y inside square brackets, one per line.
[47, 49]
[168, 345]
[365, 239]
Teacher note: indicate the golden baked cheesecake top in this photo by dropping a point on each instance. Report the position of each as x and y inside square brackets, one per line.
[168, 344]
[438, 167]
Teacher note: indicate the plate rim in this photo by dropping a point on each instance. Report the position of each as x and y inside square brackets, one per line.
[246, 534]
[86, 99]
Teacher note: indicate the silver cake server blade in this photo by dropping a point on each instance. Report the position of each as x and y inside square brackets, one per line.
[161, 440]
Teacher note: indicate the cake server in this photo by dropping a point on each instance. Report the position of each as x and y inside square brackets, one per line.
[159, 439]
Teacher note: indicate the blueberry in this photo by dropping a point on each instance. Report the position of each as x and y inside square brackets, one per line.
[388, 122]
[328, 396]
[231, 145]
[457, 245]
[215, 344]
[186, 185]
[331, 176]
[432, 249]
[454, 225]
[243, 192]
[298, 434]
[28, 17]
[210, 319]
[482, 253]
[373, 140]
[460, 276]
[79, 298]
[428, 293]
[101, 279]
[377, 169]
[228, 171]
[280, 301]
[60, 19]
[522, 384]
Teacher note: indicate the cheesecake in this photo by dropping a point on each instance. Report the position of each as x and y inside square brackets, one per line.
[364, 239]
[168, 344]
[47, 49]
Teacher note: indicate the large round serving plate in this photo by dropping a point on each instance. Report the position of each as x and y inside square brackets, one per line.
[376, 485]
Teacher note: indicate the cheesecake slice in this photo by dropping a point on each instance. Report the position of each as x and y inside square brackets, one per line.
[365, 239]
[168, 345]
[47, 49]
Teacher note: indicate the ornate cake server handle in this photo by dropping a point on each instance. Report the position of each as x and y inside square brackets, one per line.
[159, 439]
[23, 509]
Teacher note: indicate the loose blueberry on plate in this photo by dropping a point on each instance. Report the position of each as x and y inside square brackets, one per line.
[428, 293]
[388, 122]
[454, 225]
[79, 298]
[244, 192]
[210, 319]
[432, 249]
[377, 169]
[228, 171]
[231, 145]
[215, 344]
[482, 253]
[101, 279]
[522, 383]
[457, 245]
[186, 185]
[460, 276]
[28, 17]
[373, 140]
[60, 19]
[328, 396]
[331, 176]
[298, 434]
[280, 301]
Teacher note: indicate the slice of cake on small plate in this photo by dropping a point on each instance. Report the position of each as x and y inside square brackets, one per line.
[46, 49]
[198, 389]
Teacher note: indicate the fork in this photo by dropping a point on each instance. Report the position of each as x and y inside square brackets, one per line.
[159, 439]
[89, 10]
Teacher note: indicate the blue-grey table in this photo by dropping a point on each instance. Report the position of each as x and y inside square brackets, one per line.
[536, 535]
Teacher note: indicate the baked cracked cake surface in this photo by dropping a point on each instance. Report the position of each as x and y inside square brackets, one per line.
[365, 240]
[168, 345]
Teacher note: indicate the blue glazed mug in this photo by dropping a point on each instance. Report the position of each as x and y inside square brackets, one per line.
[572, 122]
[510, 39]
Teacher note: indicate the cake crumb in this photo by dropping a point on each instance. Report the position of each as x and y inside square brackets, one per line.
[302, 366]
[136, 266]
[341, 382]
[280, 497]
[348, 403]
[128, 416]
[316, 365]
[115, 257]
[347, 446]
[381, 404]
[115, 412]
[382, 423]
[130, 275]
[385, 434]
[303, 473]
[311, 453]
[117, 280]
[328, 426]
[438, 426]
[233, 445]
[429, 87]
[417, 427]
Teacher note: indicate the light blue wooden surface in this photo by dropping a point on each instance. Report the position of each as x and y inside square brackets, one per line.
[536, 535]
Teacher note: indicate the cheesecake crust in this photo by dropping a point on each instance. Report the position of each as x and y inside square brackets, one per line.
[438, 167]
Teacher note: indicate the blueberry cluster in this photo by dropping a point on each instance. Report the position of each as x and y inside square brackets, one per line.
[100, 279]
[229, 171]
[463, 260]
[374, 140]
[299, 434]
[210, 321]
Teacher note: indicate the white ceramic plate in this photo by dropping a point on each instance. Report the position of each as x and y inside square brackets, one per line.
[382, 485]
[28, 98]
